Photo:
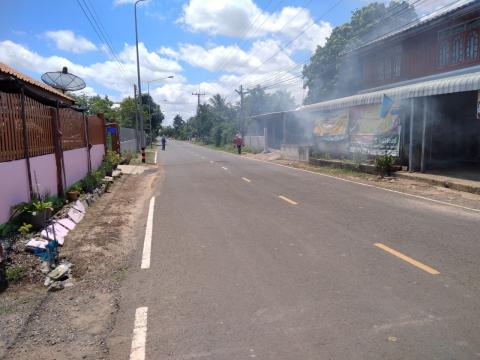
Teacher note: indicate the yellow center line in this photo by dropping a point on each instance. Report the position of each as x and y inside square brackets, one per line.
[247, 180]
[290, 201]
[408, 259]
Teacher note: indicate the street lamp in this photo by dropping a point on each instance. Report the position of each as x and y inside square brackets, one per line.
[150, 104]
[139, 105]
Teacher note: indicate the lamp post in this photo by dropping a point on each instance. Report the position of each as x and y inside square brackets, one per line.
[139, 109]
[150, 104]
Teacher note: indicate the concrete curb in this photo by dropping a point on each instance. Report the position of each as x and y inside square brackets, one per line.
[459, 186]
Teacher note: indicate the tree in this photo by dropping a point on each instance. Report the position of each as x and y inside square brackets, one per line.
[127, 113]
[178, 124]
[103, 105]
[96, 104]
[330, 74]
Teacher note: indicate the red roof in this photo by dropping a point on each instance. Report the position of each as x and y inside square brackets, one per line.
[4, 68]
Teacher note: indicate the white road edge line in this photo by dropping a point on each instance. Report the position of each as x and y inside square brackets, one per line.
[359, 183]
[370, 186]
[139, 337]
[247, 180]
[224, 168]
[147, 243]
[211, 162]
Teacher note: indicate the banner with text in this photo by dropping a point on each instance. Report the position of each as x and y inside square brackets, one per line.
[332, 126]
[372, 134]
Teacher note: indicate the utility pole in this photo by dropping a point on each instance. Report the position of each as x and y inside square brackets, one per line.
[140, 107]
[242, 113]
[198, 94]
[137, 142]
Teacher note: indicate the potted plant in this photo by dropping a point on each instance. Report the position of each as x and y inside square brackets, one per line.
[74, 193]
[37, 212]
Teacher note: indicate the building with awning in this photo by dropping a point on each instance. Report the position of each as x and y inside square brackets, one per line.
[430, 74]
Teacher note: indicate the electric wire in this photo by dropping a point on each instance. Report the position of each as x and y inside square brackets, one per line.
[112, 53]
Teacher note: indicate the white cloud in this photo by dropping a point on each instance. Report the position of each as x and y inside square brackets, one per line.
[168, 52]
[233, 59]
[107, 74]
[68, 41]
[239, 18]
[176, 91]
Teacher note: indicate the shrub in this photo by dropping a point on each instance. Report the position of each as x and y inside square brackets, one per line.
[384, 164]
[113, 158]
[8, 229]
[25, 229]
[15, 273]
[89, 183]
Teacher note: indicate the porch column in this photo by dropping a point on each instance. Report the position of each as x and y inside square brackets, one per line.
[265, 142]
[424, 129]
[410, 145]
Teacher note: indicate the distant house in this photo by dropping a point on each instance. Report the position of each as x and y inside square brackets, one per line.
[431, 70]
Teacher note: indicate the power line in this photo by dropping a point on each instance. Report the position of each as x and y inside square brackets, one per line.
[391, 14]
[98, 32]
[332, 64]
[386, 17]
[282, 48]
[244, 38]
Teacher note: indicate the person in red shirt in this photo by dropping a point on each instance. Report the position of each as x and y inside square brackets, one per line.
[238, 141]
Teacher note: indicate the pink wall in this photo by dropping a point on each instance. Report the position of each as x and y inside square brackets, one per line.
[96, 153]
[76, 165]
[14, 178]
[13, 186]
[44, 173]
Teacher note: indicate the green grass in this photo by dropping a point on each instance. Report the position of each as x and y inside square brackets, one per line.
[15, 273]
[230, 148]
[332, 170]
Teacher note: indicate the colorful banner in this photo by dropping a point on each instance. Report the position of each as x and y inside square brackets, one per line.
[372, 134]
[332, 126]
[478, 105]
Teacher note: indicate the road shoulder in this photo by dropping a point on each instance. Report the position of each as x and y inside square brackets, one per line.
[75, 322]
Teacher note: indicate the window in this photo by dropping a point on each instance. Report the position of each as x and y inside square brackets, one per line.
[472, 45]
[443, 54]
[388, 66]
[457, 49]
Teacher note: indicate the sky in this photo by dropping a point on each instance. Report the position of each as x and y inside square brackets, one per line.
[208, 46]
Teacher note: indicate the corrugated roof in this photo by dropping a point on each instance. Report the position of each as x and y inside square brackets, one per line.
[446, 85]
[4, 68]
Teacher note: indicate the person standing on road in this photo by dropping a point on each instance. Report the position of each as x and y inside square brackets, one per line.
[164, 141]
[238, 141]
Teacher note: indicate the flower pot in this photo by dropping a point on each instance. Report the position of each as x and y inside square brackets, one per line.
[39, 218]
[108, 173]
[73, 195]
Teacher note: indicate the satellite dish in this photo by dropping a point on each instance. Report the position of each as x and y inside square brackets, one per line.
[63, 80]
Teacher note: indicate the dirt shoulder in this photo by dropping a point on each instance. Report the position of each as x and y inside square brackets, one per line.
[408, 186]
[74, 323]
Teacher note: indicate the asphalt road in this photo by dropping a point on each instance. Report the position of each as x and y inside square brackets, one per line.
[254, 260]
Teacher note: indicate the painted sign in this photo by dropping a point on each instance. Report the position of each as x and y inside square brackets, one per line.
[332, 126]
[372, 134]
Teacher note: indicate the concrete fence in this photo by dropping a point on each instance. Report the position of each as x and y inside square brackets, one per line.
[128, 140]
[254, 142]
[44, 150]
